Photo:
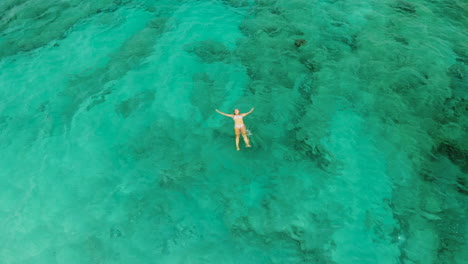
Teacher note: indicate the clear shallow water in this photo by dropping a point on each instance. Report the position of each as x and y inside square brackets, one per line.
[111, 151]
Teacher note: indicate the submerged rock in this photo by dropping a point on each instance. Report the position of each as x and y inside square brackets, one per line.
[404, 7]
[115, 233]
[457, 155]
[209, 51]
[127, 107]
[300, 42]
[236, 3]
[42, 22]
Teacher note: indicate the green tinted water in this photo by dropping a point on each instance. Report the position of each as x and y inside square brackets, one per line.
[111, 151]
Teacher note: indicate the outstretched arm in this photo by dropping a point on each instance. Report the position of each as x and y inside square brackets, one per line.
[251, 110]
[224, 113]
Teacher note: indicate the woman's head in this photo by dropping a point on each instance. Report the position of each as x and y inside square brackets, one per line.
[236, 111]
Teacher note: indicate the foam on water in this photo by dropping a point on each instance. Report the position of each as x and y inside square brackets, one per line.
[111, 151]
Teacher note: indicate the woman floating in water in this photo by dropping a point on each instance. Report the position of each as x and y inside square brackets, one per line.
[239, 126]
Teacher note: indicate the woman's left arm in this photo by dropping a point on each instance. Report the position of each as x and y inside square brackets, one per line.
[251, 110]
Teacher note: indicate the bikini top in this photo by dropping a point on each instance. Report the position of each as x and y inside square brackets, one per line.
[237, 116]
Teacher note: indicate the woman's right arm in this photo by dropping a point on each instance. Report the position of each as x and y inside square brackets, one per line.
[224, 113]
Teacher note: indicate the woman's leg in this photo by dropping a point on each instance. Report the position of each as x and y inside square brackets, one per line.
[244, 135]
[237, 132]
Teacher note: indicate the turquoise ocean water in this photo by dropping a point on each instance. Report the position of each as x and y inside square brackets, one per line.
[111, 151]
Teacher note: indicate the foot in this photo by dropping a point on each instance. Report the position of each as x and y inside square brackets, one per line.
[248, 146]
[238, 148]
